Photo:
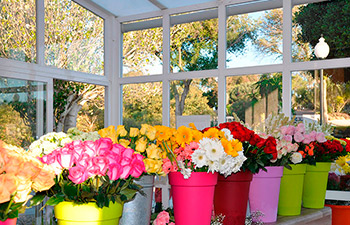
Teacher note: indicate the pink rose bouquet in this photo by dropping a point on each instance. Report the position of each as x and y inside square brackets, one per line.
[93, 171]
[20, 174]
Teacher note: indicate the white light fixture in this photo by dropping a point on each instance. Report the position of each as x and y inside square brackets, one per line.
[321, 49]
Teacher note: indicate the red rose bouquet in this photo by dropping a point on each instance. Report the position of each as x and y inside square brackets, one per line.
[93, 171]
[258, 151]
[330, 150]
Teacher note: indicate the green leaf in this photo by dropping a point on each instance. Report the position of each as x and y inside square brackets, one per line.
[128, 194]
[37, 199]
[55, 200]
[70, 191]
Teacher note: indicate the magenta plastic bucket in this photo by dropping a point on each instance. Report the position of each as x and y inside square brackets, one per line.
[193, 197]
[264, 192]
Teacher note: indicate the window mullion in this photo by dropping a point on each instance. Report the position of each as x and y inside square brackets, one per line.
[40, 32]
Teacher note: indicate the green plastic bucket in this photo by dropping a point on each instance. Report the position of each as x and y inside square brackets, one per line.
[291, 190]
[315, 185]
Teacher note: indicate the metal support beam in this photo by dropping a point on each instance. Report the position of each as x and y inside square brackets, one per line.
[158, 4]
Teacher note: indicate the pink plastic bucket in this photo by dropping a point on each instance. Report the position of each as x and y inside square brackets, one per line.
[193, 197]
[264, 193]
[9, 222]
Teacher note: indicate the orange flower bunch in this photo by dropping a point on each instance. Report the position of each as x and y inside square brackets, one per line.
[192, 150]
[20, 173]
[309, 150]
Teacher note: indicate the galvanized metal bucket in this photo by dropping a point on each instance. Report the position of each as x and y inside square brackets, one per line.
[138, 211]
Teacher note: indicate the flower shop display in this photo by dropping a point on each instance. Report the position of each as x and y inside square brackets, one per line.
[316, 176]
[231, 192]
[20, 173]
[195, 158]
[339, 182]
[97, 173]
[138, 211]
[265, 186]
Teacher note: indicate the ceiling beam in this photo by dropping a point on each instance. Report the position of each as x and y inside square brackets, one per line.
[158, 4]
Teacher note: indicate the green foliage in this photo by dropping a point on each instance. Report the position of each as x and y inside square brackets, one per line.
[10, 209]
[338, 96]
[18, 30]
[13, 130]
[241, 96]
[330, 18]
[73, 37]
[100, 190]
[142, 103]
[303, 91]
[268, 83]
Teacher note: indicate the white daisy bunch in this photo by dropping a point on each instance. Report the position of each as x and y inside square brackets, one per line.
[49, 142]
[76, 134]
[211, 153]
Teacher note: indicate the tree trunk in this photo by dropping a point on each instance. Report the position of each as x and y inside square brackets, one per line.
[71, 108]
[180, 103]
[71, 118]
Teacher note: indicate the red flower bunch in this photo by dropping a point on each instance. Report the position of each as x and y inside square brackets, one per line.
[260, 152]
[347, 146]
[328, 151]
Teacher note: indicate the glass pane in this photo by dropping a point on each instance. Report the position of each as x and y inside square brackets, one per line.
[194, 97]
[78, 105]
[306, 95]
[254, 38]
[142, 52]
[22, 111]
[253, 97]
[327, 18]
[17, 33]
[73, 37]
[194, 45]
[142, 103]
[333, 108]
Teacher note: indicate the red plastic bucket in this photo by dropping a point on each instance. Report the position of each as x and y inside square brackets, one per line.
[231, 197]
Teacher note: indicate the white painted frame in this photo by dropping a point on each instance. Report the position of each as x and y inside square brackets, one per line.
[338, 195]
[40, 72]
[286, 67]
[113, 57]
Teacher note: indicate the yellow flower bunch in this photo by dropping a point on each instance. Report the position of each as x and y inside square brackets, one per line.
[182, 136]
[343, 164]
[142, 141]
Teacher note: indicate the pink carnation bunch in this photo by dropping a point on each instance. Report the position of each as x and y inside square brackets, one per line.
[298, 134]
[88, 159]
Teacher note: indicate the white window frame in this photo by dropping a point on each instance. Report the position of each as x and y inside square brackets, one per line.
[38, 71]
[286, 67]
[113, 80]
